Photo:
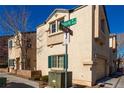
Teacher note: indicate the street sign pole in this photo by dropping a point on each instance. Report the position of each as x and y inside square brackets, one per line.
[64, 27]
[66, 61]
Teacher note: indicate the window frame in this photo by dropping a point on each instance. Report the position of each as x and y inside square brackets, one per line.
[11, 62]
[50, 27]
[58, 23]
[10, 44]
[57, 62]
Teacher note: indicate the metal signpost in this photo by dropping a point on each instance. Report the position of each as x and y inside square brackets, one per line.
[65, 29]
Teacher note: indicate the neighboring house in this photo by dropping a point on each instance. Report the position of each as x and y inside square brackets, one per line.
[120, 42]
[28, 43]
[122, 63]
[4, 50]
[113, 53]
[88, 47]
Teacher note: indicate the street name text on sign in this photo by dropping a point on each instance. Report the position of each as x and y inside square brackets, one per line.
[70, 22]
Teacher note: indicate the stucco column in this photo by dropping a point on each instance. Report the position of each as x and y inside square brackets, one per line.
[15, 64]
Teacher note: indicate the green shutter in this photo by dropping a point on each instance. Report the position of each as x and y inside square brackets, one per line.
[60, 26]
[49, 61]
[66, 60]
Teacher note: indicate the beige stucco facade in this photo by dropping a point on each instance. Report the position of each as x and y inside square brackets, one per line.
[15, 52]
[88, 47]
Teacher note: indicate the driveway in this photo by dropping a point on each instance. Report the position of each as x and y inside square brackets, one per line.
[18, 82]
[115, 81]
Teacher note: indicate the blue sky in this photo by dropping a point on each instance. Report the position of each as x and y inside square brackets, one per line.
[115, 16]
[38, 14]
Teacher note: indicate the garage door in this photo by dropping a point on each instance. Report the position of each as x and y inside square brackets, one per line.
[100, 69]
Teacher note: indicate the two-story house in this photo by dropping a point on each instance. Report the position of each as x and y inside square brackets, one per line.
[22, 47]
[4, 50]
[113, 53]
[88, 47]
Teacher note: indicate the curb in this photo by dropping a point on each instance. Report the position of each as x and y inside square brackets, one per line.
[117, 82]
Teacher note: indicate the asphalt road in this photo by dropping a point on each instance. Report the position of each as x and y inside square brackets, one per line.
[18, 82]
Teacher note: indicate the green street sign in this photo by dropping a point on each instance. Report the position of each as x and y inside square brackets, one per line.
[70, 22]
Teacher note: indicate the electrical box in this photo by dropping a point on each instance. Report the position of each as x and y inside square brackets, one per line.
[57, 79]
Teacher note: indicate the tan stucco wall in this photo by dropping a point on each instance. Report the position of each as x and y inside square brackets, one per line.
[100, 52]
[80, 45]
[81, 48]
[14, 52]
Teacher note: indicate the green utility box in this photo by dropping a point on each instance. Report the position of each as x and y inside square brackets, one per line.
[57, 79]
[3, 81]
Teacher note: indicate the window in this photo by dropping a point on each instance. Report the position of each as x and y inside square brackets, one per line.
[103, 25]
[10, 44]
[59, 22]
[29, 45]
[56, 61]
[11, 62]
[53, 27]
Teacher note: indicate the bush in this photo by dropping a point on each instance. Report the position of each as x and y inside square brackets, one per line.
[45, 78]
[3, 66]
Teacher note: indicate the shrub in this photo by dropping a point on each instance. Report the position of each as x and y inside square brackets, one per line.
[45, 78]
[3, 66]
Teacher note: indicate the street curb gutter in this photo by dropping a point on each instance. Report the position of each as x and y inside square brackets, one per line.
[117, 82]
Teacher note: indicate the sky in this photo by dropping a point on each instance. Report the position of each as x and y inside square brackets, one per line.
[115, 15]
[38, 14]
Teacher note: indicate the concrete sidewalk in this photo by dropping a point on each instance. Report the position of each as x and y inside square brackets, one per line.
[110, 82]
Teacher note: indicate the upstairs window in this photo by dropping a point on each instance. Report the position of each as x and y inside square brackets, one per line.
[53, 27]
[10, 44]
[103, 25]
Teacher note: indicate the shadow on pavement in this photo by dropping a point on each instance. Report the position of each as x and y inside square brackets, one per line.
[102, 82]
[18, 85]
[114, 75]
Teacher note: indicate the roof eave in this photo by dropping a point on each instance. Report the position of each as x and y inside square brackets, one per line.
[106, 18]
[64, 10]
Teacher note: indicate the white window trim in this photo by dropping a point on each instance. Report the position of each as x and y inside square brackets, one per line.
[58, 68]
[50, 28]
[57, 29]
[52, 34]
